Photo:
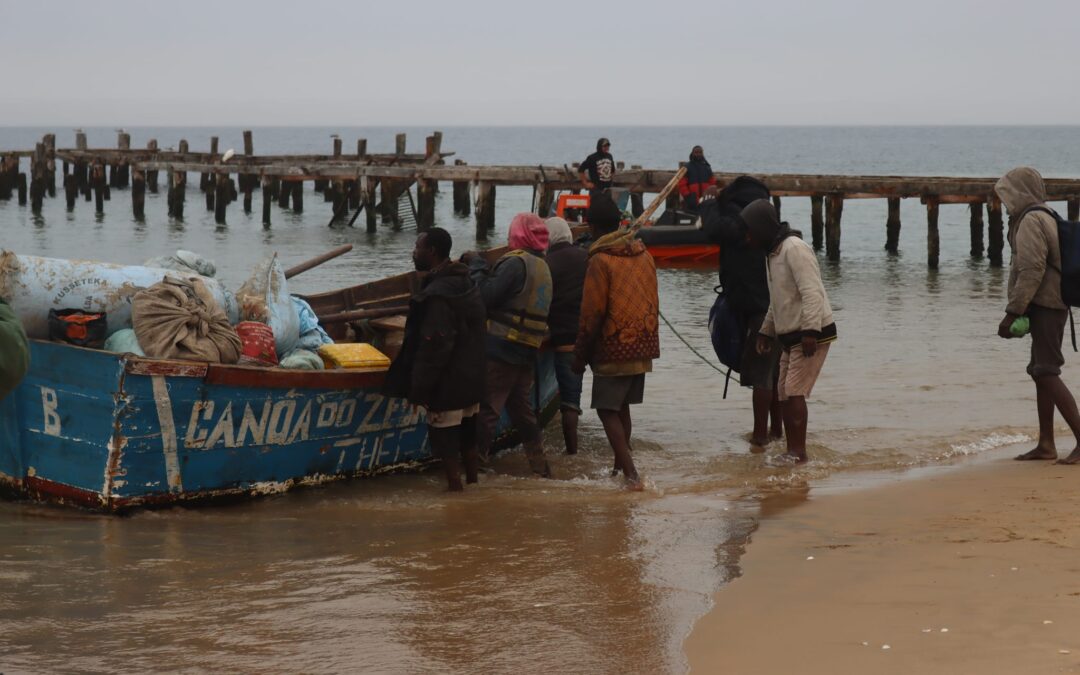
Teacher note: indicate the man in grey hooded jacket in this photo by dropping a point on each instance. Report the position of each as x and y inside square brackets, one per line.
[1035, 292]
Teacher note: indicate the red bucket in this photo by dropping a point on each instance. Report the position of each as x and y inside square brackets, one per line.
[257, 344]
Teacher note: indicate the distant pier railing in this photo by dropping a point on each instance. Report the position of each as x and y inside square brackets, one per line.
[378, 185]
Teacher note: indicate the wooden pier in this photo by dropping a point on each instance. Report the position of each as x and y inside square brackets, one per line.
[380, 186]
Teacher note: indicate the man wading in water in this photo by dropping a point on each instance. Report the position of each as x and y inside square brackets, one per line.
[1035, 292]
[799, 316]
[619, 332]
[441, 365]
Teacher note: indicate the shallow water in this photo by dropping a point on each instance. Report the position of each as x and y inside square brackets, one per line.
[393, 575]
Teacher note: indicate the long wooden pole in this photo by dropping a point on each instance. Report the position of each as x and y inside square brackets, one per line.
[318, 260]
[647, 213]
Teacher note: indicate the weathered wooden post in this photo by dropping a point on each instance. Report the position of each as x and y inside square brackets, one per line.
[21, 185]
[1073, 207]
[892, 226]
[298, 196]
[817, 223]
[268, 199]
[50, 163]
[834, 210]
[399, 145]
[284, 193]
[368, 188]
[9, 175]
[118, 177]
[976, 224]
[37, 178]
[425, 206]
[462, 203]
[248, 182]
[152, 175]
[544, 197]
[98, 183]
[995, 231]
[389, 190]
[933, 239]
[776, 205]
[138, 194]
[223, 187]
[177, 190]
[485, 208]
[71, 190]
[206, 181]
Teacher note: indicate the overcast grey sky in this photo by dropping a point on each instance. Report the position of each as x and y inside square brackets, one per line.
[479, 62]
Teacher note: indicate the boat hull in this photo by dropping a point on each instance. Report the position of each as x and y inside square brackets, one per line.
[113, 432]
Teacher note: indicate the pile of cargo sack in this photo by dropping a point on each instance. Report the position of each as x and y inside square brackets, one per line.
[172, 307]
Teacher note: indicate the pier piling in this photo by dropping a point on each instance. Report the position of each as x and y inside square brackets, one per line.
[223, 188]
[892, 226]
[138, 194]
[297, 196]
[425, 204]
[462, 205]
[152, 175]
[995, 232]
[976, 229]
[50, 163]
[834, 209]
[933, 237]
[776, 205]
[21, 185]
[71, 190]
[485, 208]
[267, 199]
[1073, 208]
[817, 223]
[368, 190]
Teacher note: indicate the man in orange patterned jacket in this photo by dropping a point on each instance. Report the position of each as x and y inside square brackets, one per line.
[618, 333]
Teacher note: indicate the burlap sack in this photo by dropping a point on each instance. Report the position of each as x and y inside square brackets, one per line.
[179, 319]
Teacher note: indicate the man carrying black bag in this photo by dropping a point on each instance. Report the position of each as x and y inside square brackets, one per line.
[746, 294]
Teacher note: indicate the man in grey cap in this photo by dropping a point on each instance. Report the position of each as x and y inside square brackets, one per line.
[799, 316]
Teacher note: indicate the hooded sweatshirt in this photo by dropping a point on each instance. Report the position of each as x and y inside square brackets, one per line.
[1034, 273]
[619, 329]
[699, 176]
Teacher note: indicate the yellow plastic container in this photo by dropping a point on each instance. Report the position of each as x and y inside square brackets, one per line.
[353, 355]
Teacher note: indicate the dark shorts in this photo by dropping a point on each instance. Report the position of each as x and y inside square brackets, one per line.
[1047, 331]
[613, 392]
[569, 381]
[758, 370]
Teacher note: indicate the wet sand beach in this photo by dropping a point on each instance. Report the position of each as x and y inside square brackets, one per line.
[971, 569]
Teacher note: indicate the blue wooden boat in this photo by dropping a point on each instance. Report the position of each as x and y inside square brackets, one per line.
[112, 432]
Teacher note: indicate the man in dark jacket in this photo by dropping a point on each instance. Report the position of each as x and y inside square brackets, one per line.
[598, 169]
[517, 295]
[441, 364]
[699, 178]
[567, 263]
[14, 351]
[746, 288]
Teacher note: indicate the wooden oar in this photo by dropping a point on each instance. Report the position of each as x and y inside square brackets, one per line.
[316, 261]
[647, 213]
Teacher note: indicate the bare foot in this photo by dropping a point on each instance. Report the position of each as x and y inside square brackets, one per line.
[1040, 452]
[634, 485]
[1073, 458]
[757, 449]
[763, 441]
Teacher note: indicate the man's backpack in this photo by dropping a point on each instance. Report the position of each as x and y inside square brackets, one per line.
[1069, 246]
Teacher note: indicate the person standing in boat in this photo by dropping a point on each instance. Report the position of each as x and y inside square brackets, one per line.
[699, 178]
[799, 316]
[441, 364]
[517, 293]
[598, 170]
[619, 331]
[14, 350]
[567, 263]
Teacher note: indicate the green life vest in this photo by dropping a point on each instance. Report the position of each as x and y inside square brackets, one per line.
[15, 359]
[524, 318]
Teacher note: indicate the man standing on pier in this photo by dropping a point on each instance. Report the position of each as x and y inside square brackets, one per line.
[619, 332]
[1035, 292]
[441, 364]
[517, 295]
[799, 316]
[598, 169]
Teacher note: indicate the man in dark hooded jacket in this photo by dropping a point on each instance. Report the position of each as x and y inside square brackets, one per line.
[441, 365]
[1035, 292]
[746, 290]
